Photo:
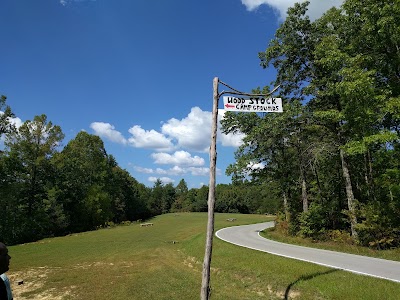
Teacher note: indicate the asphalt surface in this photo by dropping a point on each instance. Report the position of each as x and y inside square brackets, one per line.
[248, 236]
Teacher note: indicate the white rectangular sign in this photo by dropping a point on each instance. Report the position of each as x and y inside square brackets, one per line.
[252, 104]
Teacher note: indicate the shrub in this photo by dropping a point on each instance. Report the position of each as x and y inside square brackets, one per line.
[377, 236]
[378, 229]
[281, 225]
[313, 222]
[339, 236]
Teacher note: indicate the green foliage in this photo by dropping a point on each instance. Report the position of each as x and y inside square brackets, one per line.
[342, 143]
[380, 227]
[83, 173]
[330, 115]
[5, 114]
[44, 192]
[313, 223]
[246, 198]
[339, 236]
[32, 209]
[336, 141]
[360, 147]
[377, 236]
[200, 200]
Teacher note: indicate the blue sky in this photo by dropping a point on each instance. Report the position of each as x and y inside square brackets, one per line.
[138, 73]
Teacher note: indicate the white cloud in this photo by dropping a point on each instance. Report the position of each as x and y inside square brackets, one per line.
[164, 180]
[315, 9]
[17, 122]
[65, 2]
[200, 171]
[143, 170]
[106, 130]
[149, 139]
[177, 171]
[256, 166]
[179, 158]
[229, 140]
[192, 132]
[232, 140]
[161, 171]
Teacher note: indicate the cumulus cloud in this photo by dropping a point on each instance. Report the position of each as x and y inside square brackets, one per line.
[315, 9]
[201, 171]
[232, 140]
[179, 158]
[164, 180]
[192, 132]
[106, 130]
[177, 171]
[17, 122]
[174, 171]
[229, 140]
[159, 171]
[149, 139]
[143, 170]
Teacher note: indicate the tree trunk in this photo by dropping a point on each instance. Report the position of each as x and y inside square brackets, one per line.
[367, 176]
[314, 170]
[371, 184]
[304, 195]
[391, 195]
[350, 195]
[285, 206]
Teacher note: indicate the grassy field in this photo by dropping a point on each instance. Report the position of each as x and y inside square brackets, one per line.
[164, 261]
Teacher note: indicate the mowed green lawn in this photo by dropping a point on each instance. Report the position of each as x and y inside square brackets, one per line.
[164, 261]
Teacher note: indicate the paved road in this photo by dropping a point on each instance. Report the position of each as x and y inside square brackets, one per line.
[248, 236]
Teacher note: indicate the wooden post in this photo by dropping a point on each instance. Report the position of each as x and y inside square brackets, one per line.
[205, 283]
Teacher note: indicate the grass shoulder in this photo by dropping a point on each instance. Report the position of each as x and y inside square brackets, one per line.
[391, 254]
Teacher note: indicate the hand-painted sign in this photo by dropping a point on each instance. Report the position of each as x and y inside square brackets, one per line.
[253, 104]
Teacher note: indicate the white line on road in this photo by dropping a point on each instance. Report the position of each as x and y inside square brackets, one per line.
[234, 238]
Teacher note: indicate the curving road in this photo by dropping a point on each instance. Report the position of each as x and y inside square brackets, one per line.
[248, 236]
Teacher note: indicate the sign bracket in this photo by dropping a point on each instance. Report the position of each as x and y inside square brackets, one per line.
[236, 92]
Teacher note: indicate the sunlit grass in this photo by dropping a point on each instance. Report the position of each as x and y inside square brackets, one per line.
[391, 254]
[164, 261]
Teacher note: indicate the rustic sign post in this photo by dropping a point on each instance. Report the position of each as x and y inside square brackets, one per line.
[276, 105]
[205, 282]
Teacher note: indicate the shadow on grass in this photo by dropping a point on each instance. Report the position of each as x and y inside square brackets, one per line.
[306, 277]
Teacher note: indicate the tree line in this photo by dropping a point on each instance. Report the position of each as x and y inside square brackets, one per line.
[334, 153]
[330, 163]
[49, 190]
